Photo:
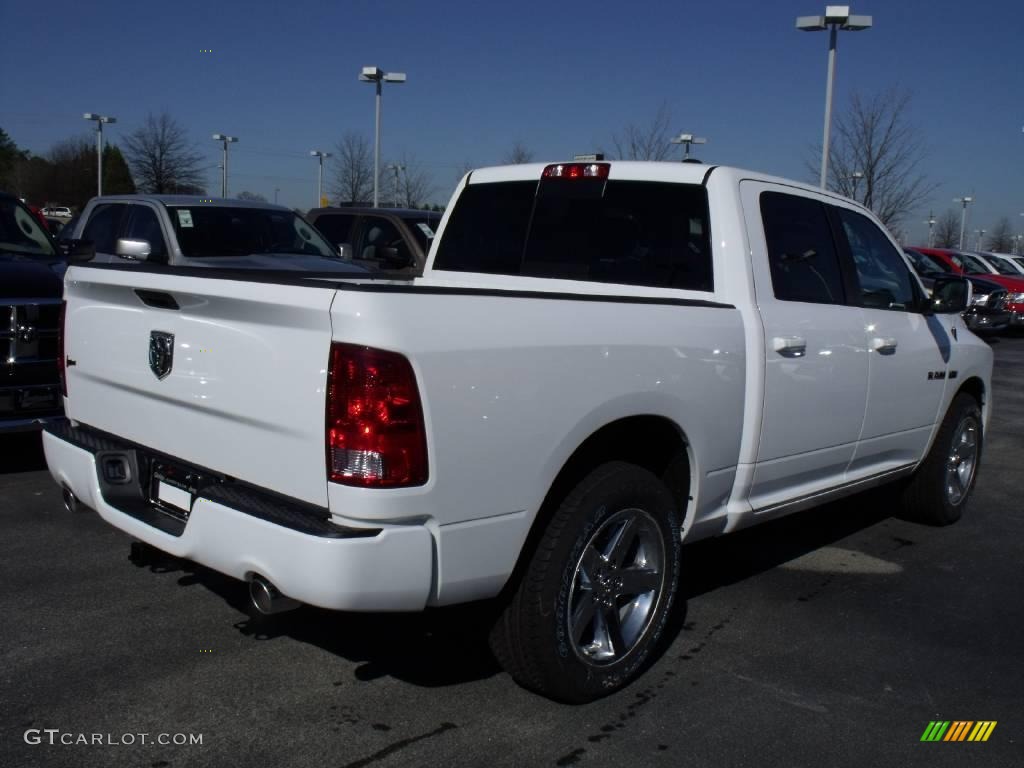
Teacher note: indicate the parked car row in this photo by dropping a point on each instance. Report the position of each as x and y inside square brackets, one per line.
[997, 281]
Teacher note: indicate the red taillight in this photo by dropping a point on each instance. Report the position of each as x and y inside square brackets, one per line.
[60, 350]
[576, 171]
[375, 432]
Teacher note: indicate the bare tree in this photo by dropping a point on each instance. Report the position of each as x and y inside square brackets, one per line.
[415, 186]
[1000, 239]
[251, 196]
[518, 155]
[947, 230]
[645, 142]
[162, 158]
[875, 156]
[353, 175]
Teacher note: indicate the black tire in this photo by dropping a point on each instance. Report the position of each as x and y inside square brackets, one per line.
[611, 551]
[940, 489]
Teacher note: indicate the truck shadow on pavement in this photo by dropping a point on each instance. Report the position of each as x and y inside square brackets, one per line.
[448, 646]
[439, 647]
[714, 563]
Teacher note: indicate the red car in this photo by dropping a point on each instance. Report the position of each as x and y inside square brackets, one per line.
[966, 264]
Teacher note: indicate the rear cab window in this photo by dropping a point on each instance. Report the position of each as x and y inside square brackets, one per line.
[641, 233]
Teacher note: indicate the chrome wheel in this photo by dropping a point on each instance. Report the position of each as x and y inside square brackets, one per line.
[962, 461]
[617, 587]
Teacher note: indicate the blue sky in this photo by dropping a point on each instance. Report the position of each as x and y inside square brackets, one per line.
[559, 77]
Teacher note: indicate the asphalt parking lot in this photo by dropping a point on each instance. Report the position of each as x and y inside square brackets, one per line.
[830, 638]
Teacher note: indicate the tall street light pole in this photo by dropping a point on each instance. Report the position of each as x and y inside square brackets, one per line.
[931, 224]
[224, 170]
[378, 76]
[965, 201]
[836, 17]
[686, 139]
[100, 120]
[320, 177]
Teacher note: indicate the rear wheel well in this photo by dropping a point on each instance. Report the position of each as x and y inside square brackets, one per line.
[652, 442]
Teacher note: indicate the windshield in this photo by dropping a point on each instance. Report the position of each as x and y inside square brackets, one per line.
[210, 231]
[1003, 266]
[925, 263]
[972, 264]
[20, 232]
[423, 229]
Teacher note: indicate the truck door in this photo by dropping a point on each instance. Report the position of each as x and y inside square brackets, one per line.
[816, 363]
[907, 351]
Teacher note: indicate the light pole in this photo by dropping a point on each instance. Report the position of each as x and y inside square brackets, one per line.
[836, 17]
[100, 120]
[276, 190]
[398, 184]
[981, 235]
[224, 170]
[686, 139]
[320, 177]
[931, 224]
[965, 201]
[378, 76]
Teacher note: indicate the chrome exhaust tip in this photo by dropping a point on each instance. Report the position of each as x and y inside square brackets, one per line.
[70, 501]
[267, 599]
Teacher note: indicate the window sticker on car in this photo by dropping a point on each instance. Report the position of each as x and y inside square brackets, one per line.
[425, 230]
[185, 217]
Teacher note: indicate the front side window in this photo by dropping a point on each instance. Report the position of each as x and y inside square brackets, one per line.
[629, 232]
[382, 243]
[801, 253]
[144, 225]
[971, 264]
[885, 282]
[210, 231]
[104, 226]
[1003, 267]
[925, 263]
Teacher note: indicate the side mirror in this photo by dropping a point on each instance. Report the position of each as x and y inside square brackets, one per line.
[79, 251]
[950, 295]
[136, 250]
[345, 251]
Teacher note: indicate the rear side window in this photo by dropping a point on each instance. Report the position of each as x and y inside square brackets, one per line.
[628, 232]
[801, 252]
[336, 227]
[104, 226]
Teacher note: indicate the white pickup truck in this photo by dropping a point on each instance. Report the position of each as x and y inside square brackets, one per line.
[600, 362]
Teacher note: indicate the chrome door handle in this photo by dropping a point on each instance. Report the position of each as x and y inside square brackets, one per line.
[790, 346]
[884, 346]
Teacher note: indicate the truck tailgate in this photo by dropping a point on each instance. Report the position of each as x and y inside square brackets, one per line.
[243, 391]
